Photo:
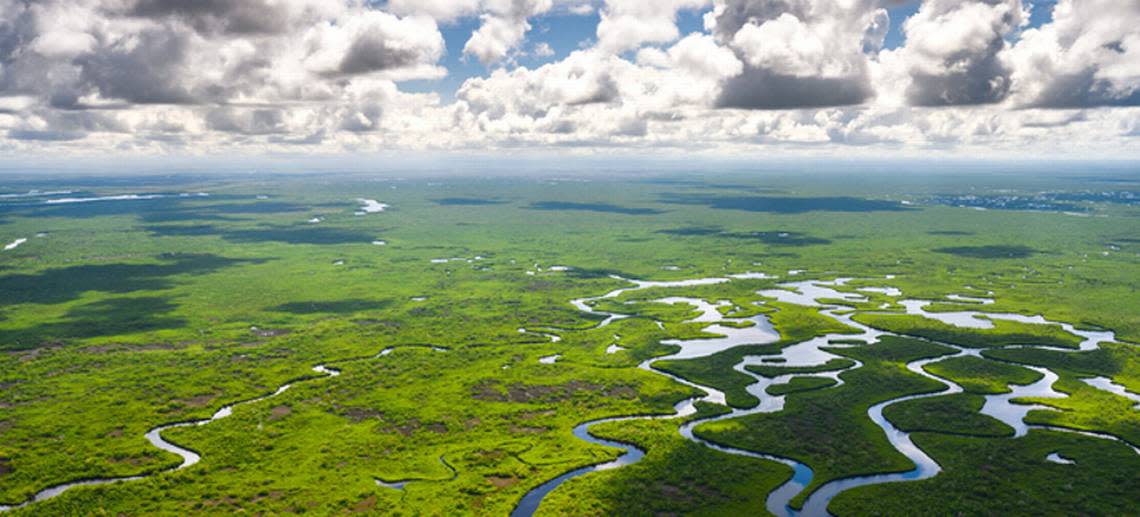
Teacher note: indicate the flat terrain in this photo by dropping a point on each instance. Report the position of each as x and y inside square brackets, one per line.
[433, 362]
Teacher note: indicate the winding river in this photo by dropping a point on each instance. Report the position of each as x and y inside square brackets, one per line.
[807, 353]
[189, 457]
[810, 353]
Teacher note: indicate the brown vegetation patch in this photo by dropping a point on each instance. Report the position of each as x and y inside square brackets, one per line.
[493, 454]
[279, 412]
[491, 390]
[525, 429]
[199, 401]
[531, 415]
[622, 392]
[406, 429]
[360, 414]
[674, 493]
[273, 494]
[540, 285]
[125, 347]
[372, 323]
[368, 505]
[29, 355]
[133, 461]
[502, 482]
[228, 500]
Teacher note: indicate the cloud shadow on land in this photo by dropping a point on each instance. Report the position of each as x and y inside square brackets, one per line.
[288, 235]
[772, 238]
[348, 306]
[989, 252]
[592, 207]
[308, 234]
[691, 231]
[467, 201]
[786, 205]
[65, 284]
[795, 239]
[108, 317]
[591, 273]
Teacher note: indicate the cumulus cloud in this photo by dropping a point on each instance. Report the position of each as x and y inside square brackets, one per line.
[798, 75]
[375, 41]
[954, 51]
[444, 11]
[1089, 55]
[503, 27]
[542, 50]
[210, 56]
[798, 53]
[222, 16]
[147, 68]
[629, 24]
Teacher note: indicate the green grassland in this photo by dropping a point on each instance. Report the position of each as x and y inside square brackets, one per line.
[998, 476]
[797, 384]
[977, 375]
[838, 363]
[119, 316]
[950, 414]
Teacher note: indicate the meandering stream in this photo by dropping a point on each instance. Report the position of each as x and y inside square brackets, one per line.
[154, 436]
[809, 353]
[189, 457]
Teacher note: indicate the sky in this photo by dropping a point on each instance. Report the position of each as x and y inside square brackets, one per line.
[685, 79]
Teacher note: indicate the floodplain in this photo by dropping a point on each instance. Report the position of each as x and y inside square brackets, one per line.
[739, 344]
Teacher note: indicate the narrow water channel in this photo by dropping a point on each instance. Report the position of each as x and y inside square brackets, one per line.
[809, 353]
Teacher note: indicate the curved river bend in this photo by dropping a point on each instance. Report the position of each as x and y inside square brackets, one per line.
[809, 353]
[189, 457]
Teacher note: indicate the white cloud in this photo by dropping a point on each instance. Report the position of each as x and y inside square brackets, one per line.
[503, 27]
[1089, 55]
[542, 49]
[799, 53]
[374, 42]
[700, 56]
[954, 51]
[443, 11]
[788, 46]
[629, 24]
[150, 76]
